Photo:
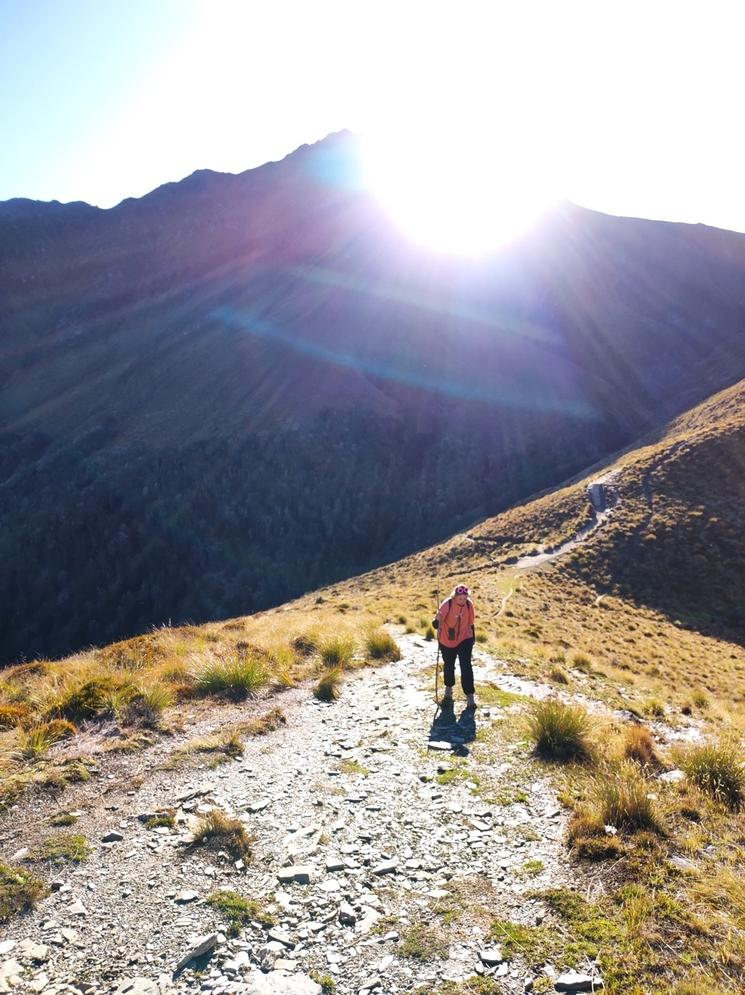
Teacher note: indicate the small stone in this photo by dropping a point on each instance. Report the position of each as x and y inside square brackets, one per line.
[279, 983]
[202, 946]
[184, 897]
[77, 909]
[491, 956]
[572, 982]
[370, 985]
[279, 936]
[259, 805]
[36, 952]
[301, 873]
[435, 744]
[347, 915]
[335, 864]
[673, 776]
[282, 964]
[112, 837]
[39, 983]
[386, 867]
[6, 946]
[136, 986]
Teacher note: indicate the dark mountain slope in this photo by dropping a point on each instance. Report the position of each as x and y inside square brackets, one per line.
[239, 387]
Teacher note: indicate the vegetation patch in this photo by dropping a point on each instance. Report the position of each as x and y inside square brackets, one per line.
[62, 848]
[337, 651]
[166, 818]
[354, 767]
[381, 646]
[328, 687]
[718, 769]
[238, 911]
[422, 943]
[63, 819]
[217, 828]
[559, 731]
[20, 890]
[235, 677]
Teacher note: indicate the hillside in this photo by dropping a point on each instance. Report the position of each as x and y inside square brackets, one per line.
[239, 388]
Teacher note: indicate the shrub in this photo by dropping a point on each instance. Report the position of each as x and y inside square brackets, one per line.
[20, 890]
[558, 675]
[559, 731]
[337, 651]
[327, 689]
[623, 800]
[236, 677]
[380, 645]
[717, 769]
[638, 745]
[238, 910]
[221, 829]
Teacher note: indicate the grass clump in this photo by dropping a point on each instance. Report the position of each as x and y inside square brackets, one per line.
[327, 983]
[638, 746]
[622, 799]
[222, 830]
[328, 687]
[337, 651]
[559, 731]
[166, 818]
[654, 708]
[39, 739]
[146, 704]
[514, 938]
[354, 767]
[717, 768]
[62, 848]
[380, 645]
[63, 819]
[422, 943]
[94, 698]
[20, 890]
[234, 677]
[14, 715]
[238, 911]
[558, 675]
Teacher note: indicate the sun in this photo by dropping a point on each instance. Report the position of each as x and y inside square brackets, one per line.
[461, 192]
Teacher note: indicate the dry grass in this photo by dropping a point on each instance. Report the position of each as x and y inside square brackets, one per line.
[221, 830]
[718, 769]
[328, 687]
[560, 732]
[381, 646]
[638, 746]
[20, 890]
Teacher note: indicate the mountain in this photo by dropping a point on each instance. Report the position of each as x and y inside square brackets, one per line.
[240, 387]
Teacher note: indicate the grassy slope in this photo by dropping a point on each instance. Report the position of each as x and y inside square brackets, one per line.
[606, 612]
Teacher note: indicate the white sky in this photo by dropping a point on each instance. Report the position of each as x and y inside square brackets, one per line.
[630, 108]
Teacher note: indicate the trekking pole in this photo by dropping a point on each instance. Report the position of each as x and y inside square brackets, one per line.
[437, 661]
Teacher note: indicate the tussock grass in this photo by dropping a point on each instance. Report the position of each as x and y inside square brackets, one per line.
[234, 677]
[239, 911]
[39, 739]
[559, 731]
[638, 746]
[380, 645]
[222, 830]
[14, 715]
[622, 798]
[20, 890]
[422, 943]
[337, 651]
[146, 704]
[63, 819]
[558, 675]
[328, 687]
[62, 848]
[718, 769]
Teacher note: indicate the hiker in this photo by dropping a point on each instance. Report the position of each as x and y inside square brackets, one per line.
[456, 635]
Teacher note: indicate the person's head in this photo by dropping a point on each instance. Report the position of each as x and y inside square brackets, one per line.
[461, 594]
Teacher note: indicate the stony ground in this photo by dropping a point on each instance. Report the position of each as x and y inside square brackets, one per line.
[387, 838]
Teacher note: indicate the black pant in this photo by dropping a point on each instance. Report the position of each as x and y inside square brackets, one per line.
[463, 652]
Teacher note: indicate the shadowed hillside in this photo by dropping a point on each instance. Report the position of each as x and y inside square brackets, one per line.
[240, 387]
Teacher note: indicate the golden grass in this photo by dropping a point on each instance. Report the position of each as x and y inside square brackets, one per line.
[221, 830]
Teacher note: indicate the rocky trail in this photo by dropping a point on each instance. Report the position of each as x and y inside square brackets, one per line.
[386, 841]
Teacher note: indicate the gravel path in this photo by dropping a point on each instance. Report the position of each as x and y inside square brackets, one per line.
[407, 839]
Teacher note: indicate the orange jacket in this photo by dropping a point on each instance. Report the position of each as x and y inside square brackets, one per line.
[459, 619]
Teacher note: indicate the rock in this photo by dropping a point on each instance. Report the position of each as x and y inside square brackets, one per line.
[279, 983]
[39, 983]
[572, 982]
[673, 776]
[259, 805]
[302, 873]
[385, 962]
[335, 864]
[137, 986]
[36, 952]
[435, 744]
[369, 918]
[112, 837]
[386, 867]
[77, 909]
[491, 956]
[10, 975]
[282, 964]
[279, 936]
[20, 855]
[202, 946]
[184, 897]
[6, 946]
[370, 985]
[347, 915]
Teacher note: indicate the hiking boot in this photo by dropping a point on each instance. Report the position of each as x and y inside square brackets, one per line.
[471, 701]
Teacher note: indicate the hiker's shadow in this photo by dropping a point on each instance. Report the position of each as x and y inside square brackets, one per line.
[446, 728]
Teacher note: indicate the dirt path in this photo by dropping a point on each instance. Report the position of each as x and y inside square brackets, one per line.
[414, 836]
